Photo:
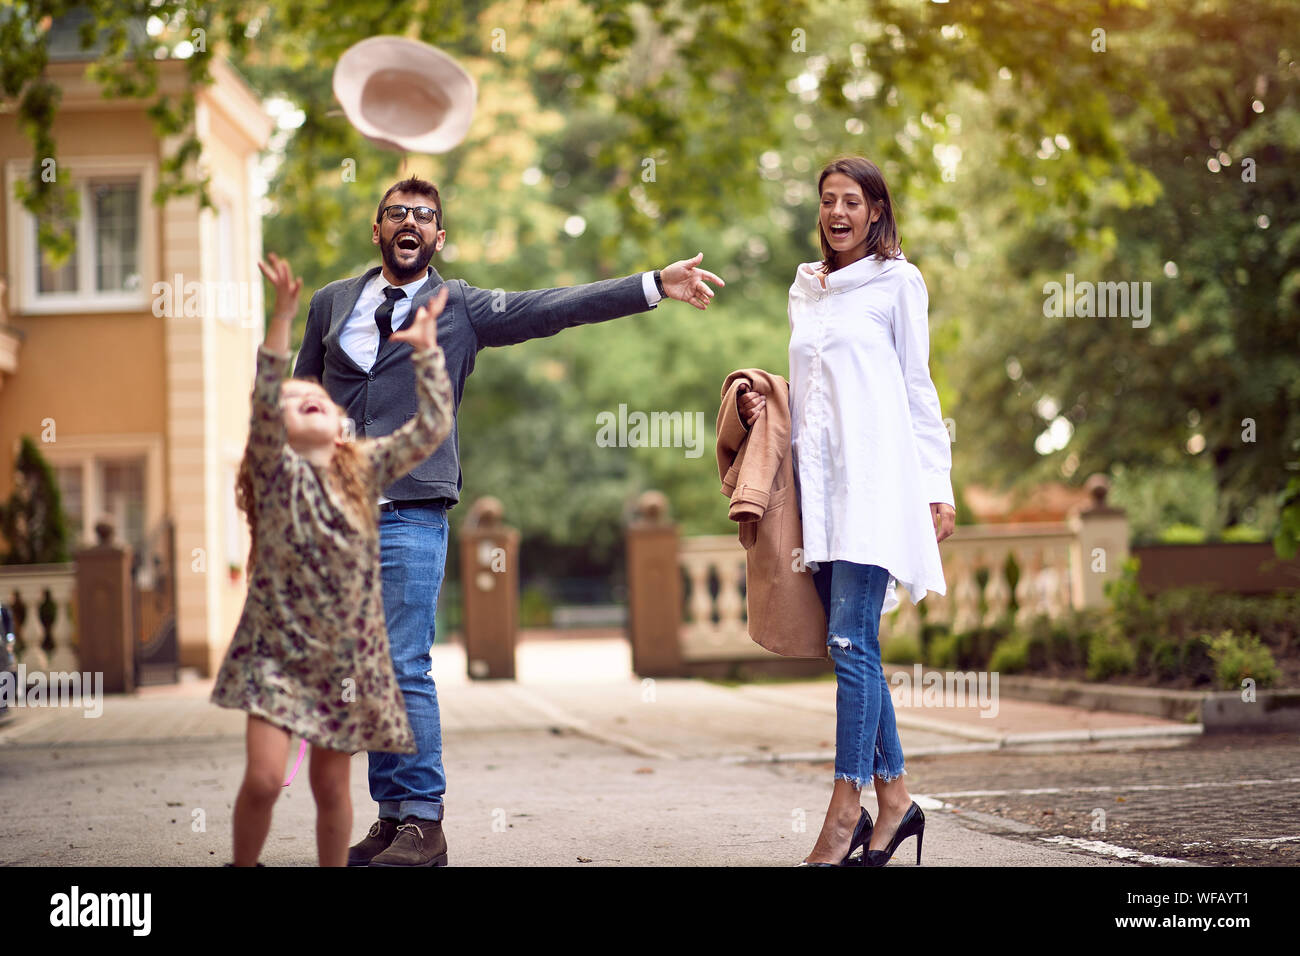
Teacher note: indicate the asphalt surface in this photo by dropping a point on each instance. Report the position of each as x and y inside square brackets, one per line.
[581, 764]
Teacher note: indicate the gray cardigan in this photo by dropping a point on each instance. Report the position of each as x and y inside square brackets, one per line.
[380, 401]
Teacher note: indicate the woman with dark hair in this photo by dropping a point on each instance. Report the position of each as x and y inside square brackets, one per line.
[872, 463]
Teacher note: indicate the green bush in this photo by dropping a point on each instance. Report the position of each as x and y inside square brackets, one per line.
[1243, 532]
[1011, 656]
[1195, 661]
[1166, 657]
[535, 607]
[1236, 658]
[975, 648]
[928, 633]
[32, 521]
[901, 649]
[1109, 653]
[1182, 534]
[1287, 540]
[1038, 650]
[942, 652]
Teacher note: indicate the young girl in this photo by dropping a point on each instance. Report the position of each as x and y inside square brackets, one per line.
[310, 656]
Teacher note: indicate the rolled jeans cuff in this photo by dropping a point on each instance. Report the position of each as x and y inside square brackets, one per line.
[399, 810]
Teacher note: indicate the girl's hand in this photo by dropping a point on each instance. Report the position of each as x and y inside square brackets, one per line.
[945, 518]
[749, 403]
[422, 333]
[286, 286]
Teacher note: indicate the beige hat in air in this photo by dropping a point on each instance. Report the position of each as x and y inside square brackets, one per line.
[404, 94]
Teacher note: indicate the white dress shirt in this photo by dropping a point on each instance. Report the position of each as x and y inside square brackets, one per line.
[870, 446]
[359, 336]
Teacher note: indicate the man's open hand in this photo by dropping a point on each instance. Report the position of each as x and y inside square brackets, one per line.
[685, 281]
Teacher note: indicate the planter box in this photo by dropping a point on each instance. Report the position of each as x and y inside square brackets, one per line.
[1236, 567]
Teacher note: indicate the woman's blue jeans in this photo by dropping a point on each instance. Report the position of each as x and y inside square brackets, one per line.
[866, 735]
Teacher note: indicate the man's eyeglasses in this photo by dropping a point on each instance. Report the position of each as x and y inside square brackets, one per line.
[397, 213]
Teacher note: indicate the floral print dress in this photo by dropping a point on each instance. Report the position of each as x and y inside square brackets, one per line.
[310, 654]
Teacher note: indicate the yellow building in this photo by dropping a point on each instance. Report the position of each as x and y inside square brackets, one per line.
[131, 365]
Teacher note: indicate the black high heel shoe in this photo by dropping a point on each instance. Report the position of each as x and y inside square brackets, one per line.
[861, 837]
[912, 824]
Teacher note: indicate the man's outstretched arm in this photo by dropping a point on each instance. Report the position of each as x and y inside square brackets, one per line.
[507, 318]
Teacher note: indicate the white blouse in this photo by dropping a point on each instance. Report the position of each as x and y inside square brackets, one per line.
[870, 447]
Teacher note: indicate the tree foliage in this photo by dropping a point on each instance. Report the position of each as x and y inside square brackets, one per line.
[32, 520]
[1021, 142]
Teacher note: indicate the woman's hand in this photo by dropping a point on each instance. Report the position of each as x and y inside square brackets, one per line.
[945, 519]
[748, 404]
[422, 333]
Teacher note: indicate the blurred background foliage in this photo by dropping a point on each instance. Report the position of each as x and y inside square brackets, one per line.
[1021, 141]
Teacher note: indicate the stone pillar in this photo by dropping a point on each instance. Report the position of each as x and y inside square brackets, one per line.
[489, 565]
[105, 618]
[654, 589]
[1100, 545]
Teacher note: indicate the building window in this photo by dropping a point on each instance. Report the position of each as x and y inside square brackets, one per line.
[96, 487]
[112, 244]
[116, 227]
[110, 227]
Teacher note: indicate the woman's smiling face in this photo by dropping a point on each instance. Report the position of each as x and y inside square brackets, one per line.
[844, 218]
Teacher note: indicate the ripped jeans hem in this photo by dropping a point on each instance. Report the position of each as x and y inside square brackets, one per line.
[859, 782]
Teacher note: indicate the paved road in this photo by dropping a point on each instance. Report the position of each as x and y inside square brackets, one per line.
[579, 763]
[1216, 801]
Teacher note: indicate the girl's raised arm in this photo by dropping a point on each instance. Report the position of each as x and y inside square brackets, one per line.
[395, 454]
[266, 435]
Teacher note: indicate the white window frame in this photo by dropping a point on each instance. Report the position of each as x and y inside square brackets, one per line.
[229, 247]
[24, 294]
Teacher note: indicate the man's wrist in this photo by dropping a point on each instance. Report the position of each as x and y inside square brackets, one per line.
[652, 288]
[659, 283]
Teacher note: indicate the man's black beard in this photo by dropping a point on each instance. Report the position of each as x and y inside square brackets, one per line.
[405, 273]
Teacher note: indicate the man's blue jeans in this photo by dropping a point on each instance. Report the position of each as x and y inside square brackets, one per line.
[413, 557]
[866, 736]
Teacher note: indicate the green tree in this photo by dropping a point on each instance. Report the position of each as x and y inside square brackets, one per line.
[1212, 384]
[1019, 142]
[32, 521]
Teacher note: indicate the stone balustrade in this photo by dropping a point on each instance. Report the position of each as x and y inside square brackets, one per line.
[48, 645]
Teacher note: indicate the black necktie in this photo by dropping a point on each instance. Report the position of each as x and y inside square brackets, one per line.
[384, 314]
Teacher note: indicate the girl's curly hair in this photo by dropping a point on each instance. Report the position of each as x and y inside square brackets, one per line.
[348, 472]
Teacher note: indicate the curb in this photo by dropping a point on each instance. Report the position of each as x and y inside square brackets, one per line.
[1272, 711]
[1217, 712]
[1003, 742]
[1183, 705]
[1210, 712]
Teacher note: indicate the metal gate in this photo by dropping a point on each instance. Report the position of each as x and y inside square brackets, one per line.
[153, 594]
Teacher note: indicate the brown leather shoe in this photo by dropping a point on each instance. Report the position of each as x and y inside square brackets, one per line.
[418, 843]
[377, 841]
